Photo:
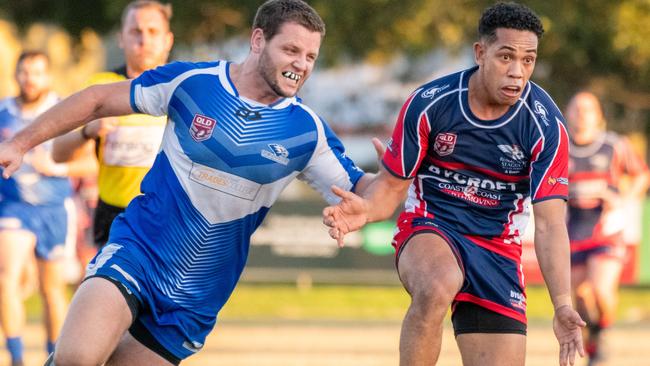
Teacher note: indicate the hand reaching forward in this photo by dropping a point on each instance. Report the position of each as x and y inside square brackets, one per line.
[10, 158]
[567, 326]
[348, 215]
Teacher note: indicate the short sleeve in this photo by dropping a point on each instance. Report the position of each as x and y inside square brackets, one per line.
[330, 165]
[152, 90]
[549, 164]
[409, 143]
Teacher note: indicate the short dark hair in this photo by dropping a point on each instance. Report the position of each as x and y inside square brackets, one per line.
[32, 54]
[272, 14]
[165, 9]
[508, 15]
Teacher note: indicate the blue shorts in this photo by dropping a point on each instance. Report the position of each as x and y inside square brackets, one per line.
[179, 331]
[492, 270]
[50, 224]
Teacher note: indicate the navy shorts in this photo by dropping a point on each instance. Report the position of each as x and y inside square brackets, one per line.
[492, 270]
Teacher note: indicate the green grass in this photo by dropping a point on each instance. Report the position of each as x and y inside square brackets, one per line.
[363, 303]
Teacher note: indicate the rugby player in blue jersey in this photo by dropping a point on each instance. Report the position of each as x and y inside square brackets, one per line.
[236, 135]
[36, 213]
[473, 150]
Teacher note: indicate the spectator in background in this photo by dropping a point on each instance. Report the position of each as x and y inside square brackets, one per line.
[599, 161]
[35, 210]
[125, 146]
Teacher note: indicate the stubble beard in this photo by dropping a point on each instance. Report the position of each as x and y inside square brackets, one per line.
[267, 71]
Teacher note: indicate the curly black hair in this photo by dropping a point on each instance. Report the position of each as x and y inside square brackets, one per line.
[508, 15]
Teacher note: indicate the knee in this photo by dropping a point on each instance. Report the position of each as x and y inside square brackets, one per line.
[432, 297]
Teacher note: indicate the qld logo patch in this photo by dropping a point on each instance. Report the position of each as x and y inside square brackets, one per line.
[202, 127]
[445, 143]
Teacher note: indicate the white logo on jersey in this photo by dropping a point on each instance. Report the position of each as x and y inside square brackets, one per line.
[541, 111]
[431, 92]
[278, 153]
[514, 152]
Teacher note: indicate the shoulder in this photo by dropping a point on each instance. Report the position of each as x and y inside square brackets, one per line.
[541, 106]
[171, 71]
[435, 91]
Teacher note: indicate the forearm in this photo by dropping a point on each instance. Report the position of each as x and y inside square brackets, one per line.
[382, 194]
[553, 255]
[78, 109]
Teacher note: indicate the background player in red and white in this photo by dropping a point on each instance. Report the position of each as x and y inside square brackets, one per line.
[599, 160]
[473, 150]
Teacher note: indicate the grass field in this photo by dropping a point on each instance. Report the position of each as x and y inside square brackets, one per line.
[273, 325]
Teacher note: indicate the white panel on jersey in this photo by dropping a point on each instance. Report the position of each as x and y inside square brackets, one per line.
[324, 169]
[216, 205]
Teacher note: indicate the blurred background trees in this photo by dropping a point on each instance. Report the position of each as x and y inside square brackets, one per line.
[597, 44]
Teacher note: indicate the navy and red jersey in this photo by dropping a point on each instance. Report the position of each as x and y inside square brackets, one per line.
[474, 176]
[594, 169]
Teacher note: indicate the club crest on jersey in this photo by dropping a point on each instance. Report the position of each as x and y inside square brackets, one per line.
[541, 111]
[278, 153]
[514, 152]
[445, 143]
[202, 127]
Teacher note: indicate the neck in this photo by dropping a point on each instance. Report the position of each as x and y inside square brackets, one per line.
[250, 84]
[132, 72]
[480, 103]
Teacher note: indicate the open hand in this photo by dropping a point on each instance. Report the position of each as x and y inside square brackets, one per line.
[567, 326]
[348, 215]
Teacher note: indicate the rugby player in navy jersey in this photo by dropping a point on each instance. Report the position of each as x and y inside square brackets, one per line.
[599, 162]
[472, 151]
[236, 135]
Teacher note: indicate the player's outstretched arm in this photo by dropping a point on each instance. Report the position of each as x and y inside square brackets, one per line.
[552, 249]
[377, 202]
[89, 104]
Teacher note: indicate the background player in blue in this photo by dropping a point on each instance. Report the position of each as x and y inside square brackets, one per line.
[34, 214]
[236, 136]
[473, 150]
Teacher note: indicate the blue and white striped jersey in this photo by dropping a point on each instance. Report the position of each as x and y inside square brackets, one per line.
[223, 162]
[27, 185]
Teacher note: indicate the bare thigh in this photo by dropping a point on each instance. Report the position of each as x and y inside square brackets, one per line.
[96, 321]
[131, 352]
[492, 349]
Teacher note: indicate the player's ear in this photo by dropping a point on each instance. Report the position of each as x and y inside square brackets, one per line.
[479, 52]
[257, 40]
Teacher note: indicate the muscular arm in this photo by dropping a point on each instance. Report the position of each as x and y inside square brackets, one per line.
[379, 198]
[552, 248]
[89, 104]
